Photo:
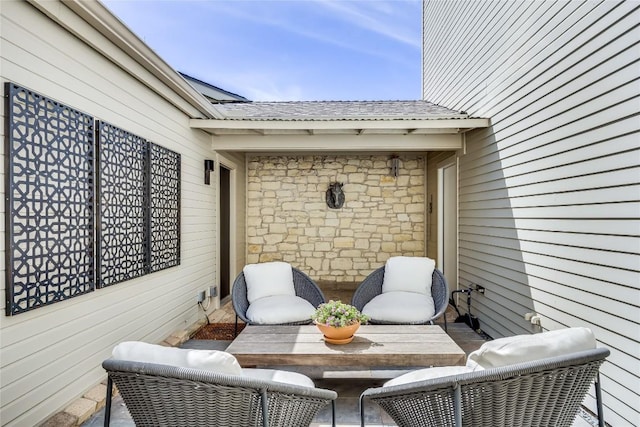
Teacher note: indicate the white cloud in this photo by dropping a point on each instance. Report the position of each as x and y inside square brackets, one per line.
[383, 18]
[287, 50]
[258, 86]
[375, 16]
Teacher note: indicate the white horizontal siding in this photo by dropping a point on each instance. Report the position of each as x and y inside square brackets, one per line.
[52, 355]
[549, 195]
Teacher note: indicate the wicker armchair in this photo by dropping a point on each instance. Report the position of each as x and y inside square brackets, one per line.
[304, 286]
[547, 392]
[163, 395]
[372, 287]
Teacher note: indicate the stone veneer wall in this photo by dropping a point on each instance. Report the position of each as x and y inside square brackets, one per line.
[288, 218]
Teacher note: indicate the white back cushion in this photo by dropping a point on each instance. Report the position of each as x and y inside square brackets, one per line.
[279, 376]
[527, 348]
[408, 274]
[207, 360]
[278, 309]
[428, 374]
[268, 279]
[400, 307]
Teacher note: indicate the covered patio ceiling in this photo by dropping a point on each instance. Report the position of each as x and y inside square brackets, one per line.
[352, 125]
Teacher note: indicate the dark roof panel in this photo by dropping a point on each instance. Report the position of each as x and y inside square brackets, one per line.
[213, 93]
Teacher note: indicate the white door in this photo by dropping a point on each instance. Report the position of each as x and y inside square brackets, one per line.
[448, 221]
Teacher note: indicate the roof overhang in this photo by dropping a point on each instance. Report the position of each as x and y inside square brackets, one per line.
[222, 127]
[338, 135]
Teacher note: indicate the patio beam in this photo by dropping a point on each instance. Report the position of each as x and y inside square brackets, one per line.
[341, 143]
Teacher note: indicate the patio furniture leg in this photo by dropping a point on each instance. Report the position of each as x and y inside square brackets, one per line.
[599, 401]
[333, 413]
[107, 407]
[431, 322]
[457, 404]
[361, 411]
[265, 408]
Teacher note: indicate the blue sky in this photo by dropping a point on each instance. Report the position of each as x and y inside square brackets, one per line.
[277, 50]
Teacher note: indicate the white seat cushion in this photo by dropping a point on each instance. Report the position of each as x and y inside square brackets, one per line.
[527, 348]
[428, 374]
[400, 307]
[267, 279]
[286, 377]
[207, 360]
[408, 274]
[278, 309]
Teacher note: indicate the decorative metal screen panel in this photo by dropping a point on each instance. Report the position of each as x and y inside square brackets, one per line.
[49, 201]
[51, 206]
[123, 201]
[165, 207]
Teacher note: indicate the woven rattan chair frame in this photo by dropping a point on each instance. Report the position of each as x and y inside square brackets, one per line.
[547, 392]
[304, 286]
[372, 287]
[161, 395]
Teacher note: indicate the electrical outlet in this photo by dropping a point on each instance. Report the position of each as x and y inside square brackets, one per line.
[213, 291]
[200, 296]
[480, 289]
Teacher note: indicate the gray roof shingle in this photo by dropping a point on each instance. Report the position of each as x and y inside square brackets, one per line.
[339, 110]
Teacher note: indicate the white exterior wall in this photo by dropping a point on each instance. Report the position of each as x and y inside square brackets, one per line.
[549, 194]
[52, 355]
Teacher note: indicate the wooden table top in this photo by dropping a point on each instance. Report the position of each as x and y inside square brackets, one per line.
[373, 346]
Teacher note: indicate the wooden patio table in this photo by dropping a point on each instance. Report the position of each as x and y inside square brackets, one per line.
[384, 346]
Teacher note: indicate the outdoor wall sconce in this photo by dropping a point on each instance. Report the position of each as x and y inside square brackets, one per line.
[208, 168]
[395, 166]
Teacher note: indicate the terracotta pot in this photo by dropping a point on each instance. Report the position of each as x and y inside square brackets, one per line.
[338, 335]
